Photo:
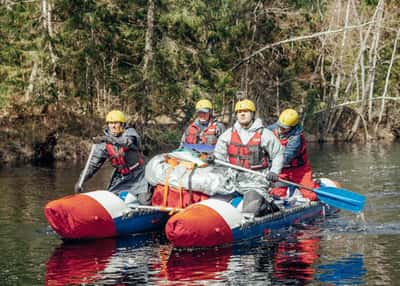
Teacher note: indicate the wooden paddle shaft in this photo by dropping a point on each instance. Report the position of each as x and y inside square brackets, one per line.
[226, 164]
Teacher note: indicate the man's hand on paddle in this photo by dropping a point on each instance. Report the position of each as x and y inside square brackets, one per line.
[272, 177]
[210, 158]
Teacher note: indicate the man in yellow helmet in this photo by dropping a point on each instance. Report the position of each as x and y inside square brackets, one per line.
[248, 144]
[121, 145]
[204, 129]
[296, 167]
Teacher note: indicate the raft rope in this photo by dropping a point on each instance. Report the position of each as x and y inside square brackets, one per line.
[174, 162]
[180, 190]
[166, 185]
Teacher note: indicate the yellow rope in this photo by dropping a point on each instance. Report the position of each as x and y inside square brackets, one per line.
[166, 184]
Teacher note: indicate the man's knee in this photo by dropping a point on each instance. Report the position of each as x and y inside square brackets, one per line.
[254, 203]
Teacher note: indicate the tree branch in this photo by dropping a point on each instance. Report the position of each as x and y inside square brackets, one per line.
[356, 102]
[299, 38]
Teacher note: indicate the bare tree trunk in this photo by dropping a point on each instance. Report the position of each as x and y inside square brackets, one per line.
[48, 28]
[246, 79]
[363, 46]
[374, 57]
[87, 84]
[148, 59]
[330, 104]
[277, 96]
[336, 119]
[387, 81]
[109, 94]
[335, 97]
[148, 49]
[358, 88]
[354, 129]
[44, 14]
[223, 108]
[32, 80]
[7, 3]
[342, 48]
[98, 95]
[365, 83]
[335, 70]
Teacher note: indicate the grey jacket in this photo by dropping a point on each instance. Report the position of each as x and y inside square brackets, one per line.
[269, 143]
[133, 182]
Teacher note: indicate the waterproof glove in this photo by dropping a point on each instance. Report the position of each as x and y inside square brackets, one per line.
[78, 189]
[210, 158]
[272, 177]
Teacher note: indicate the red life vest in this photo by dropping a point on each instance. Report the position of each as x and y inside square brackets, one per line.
[250, 156]
[125, 160]
[208, 136]
[302, 158]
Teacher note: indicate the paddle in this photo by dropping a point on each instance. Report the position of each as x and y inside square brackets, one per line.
[157, 208]
[202, 148]
[336, 197]
[83, 175]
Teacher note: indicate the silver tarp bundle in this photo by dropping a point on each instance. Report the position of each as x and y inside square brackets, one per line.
[211, 180]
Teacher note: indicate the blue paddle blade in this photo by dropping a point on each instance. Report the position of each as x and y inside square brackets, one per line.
[341, 198]
[202, 148]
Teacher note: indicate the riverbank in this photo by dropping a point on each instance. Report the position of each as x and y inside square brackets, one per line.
[65, 136]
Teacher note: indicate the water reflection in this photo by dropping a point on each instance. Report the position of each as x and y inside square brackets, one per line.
[104, 261]
[287, 259]
[198, 265]
[296, 255]
[346, 271]
[74, 264]
[371, 170]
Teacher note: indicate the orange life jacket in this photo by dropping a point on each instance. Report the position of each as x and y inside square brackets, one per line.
[250, 156]
[299, 160]
[208, 136]
[125, 160]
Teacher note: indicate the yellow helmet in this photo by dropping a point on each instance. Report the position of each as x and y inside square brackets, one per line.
[288, 118]
[115, 116]
[245, 104]
[204, 104]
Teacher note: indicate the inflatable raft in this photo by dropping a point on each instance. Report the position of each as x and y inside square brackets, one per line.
[101, 214]
[214, 222]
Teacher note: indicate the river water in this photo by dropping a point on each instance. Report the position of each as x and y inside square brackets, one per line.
[340, 250]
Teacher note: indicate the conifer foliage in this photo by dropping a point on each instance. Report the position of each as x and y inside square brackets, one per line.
[156, 58]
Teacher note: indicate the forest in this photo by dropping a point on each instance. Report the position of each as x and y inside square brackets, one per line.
[65, 64]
